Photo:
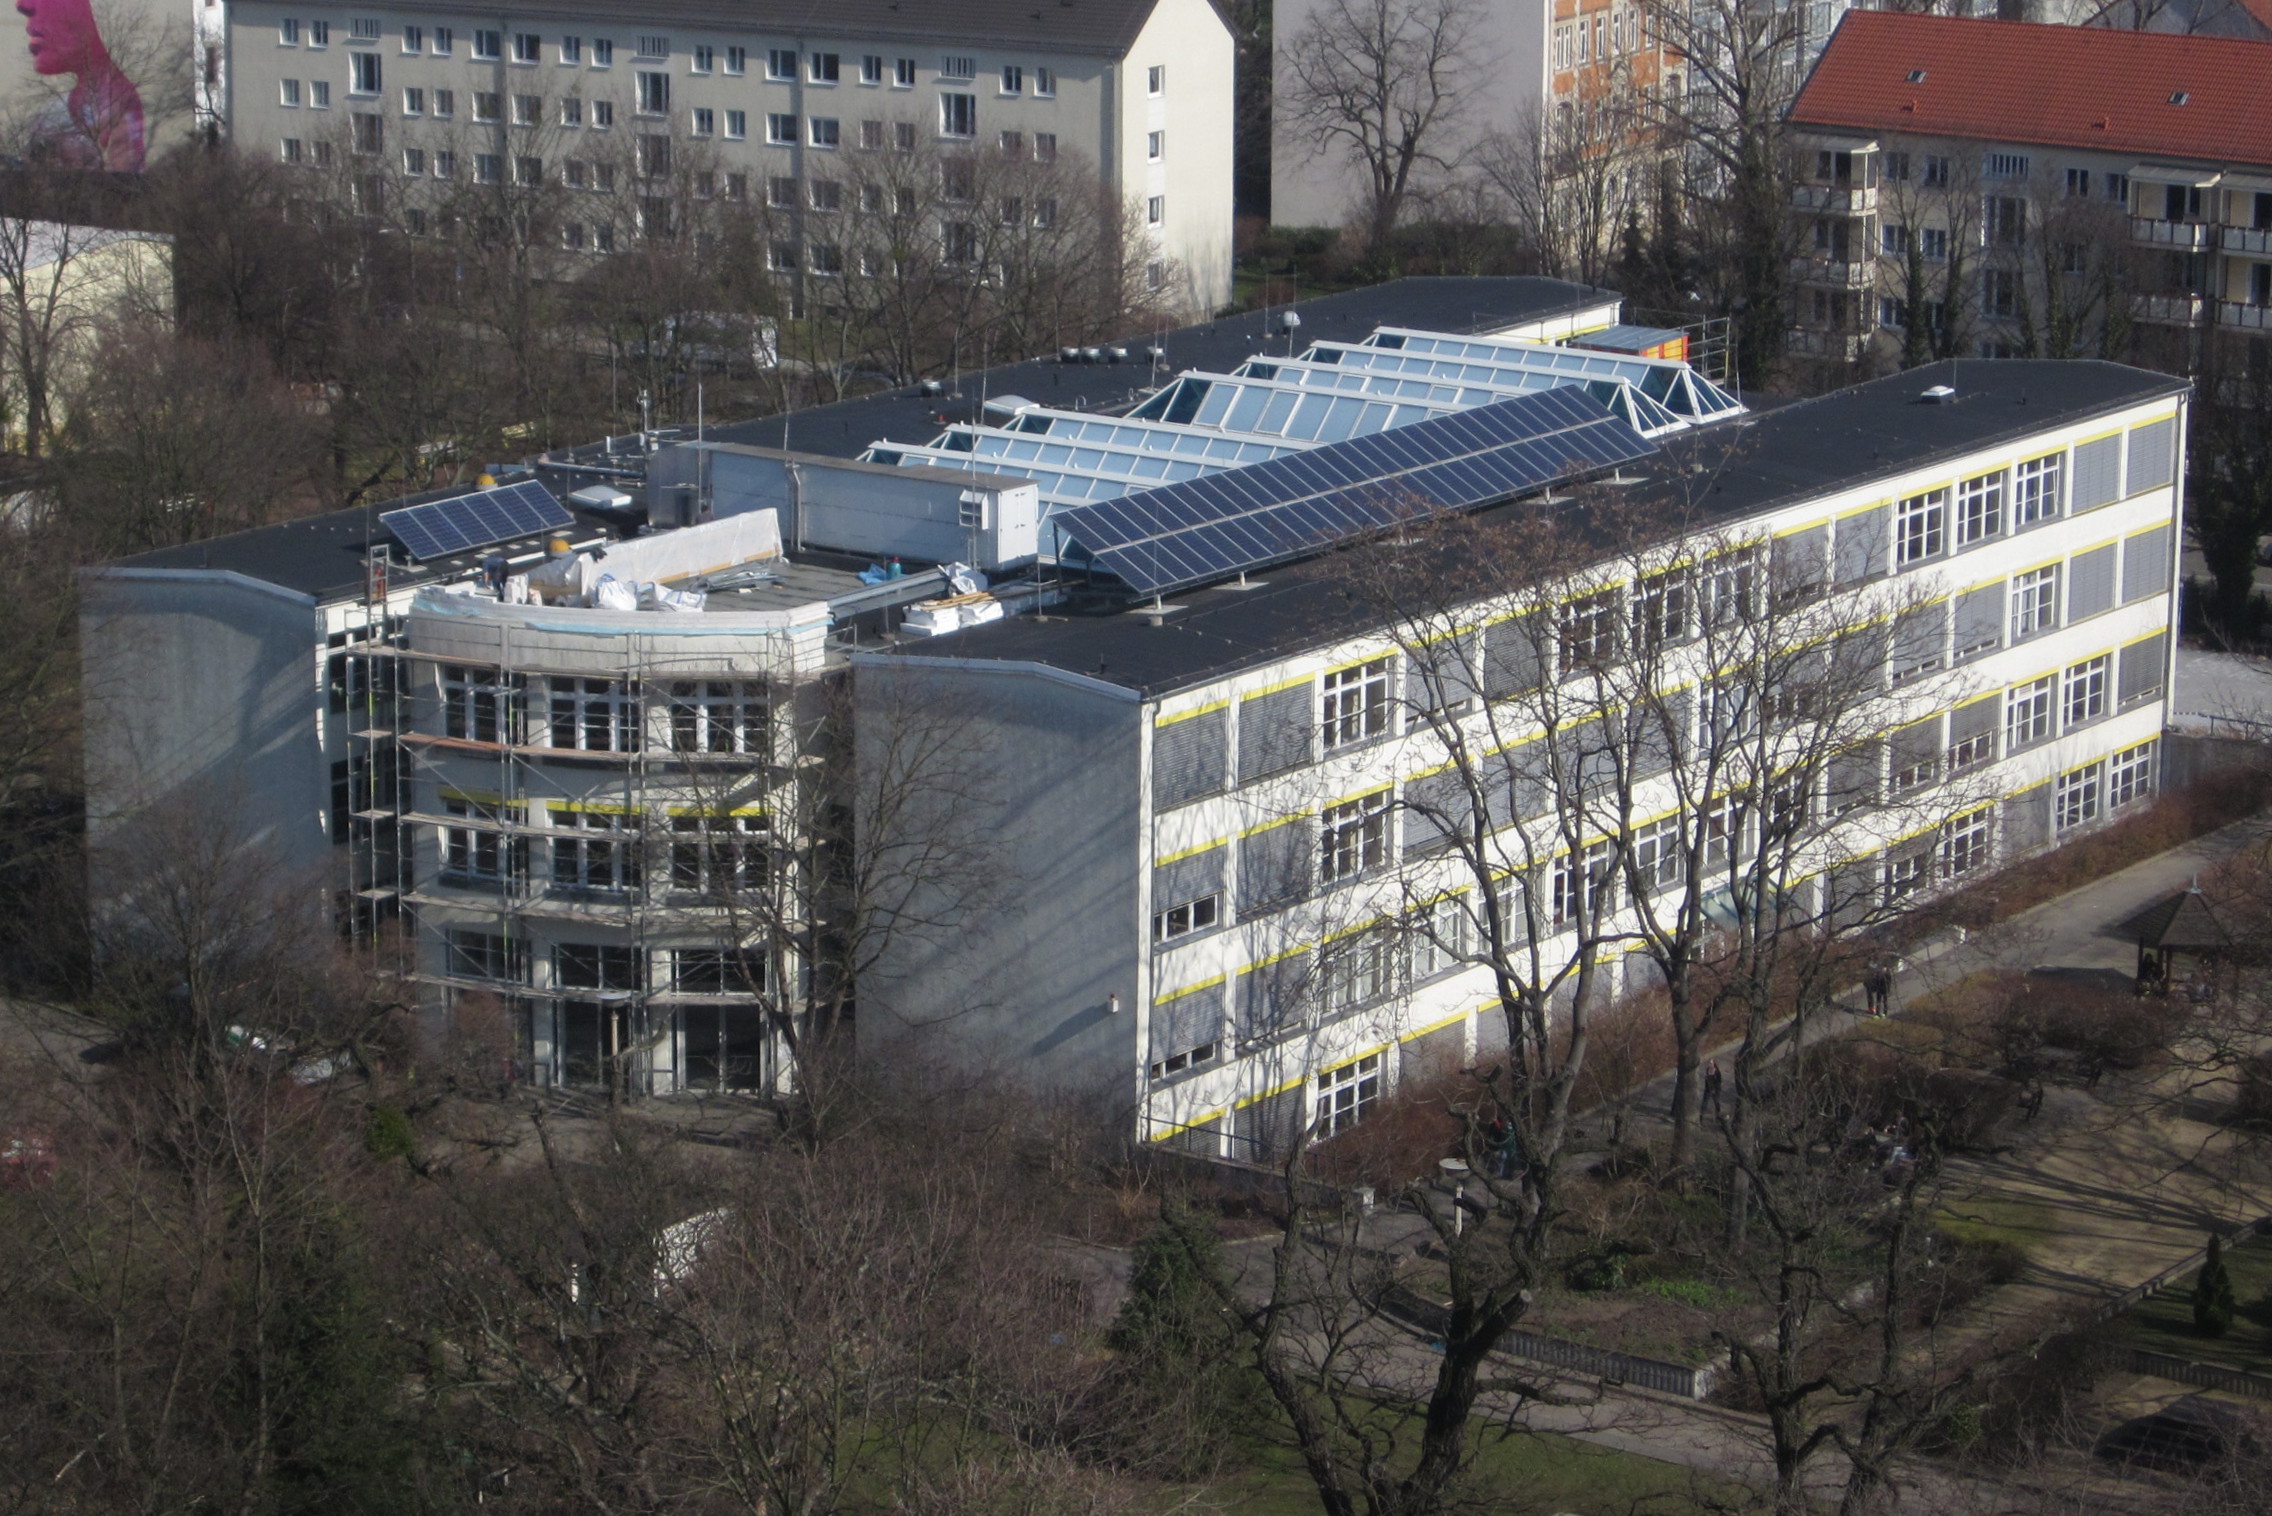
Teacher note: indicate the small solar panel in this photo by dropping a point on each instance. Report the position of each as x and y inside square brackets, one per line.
[1211, 528]
[446, 527]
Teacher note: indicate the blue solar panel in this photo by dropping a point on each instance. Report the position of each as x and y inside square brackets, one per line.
[446, 527]
[1213, 527]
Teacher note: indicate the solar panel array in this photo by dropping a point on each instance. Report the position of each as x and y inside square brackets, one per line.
[1212, 528]
[446, 527]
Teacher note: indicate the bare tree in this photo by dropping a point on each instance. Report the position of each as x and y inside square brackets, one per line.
[1382, 86]
[1571, 179]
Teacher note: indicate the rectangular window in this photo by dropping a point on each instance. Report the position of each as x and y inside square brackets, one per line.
[903, 73]
[1188, 918]
[1936, 175]
[288, 32]
[1155, 145]
[872, 68]
[2118, 188]
[528, 47]
[1045, 83]
[2085, 698]
[445, 104]
[652, 46]
[414, 161]
[488, 106]
[826, 195]
[1919, 525]
[1013, 79]
[1356, 704]
[1155, 210]
[603, 115]
[2078, 184]
[781, 130]
[528, 171]
[903, 136]
[781, 64]
[737, 125]
[717, 855]
[958, 66]
[444, 40]
[2130, 776]
[477, 853]
[782, 258]
[596, 715]
[701, 58]
[362, 73]
[485, 955]
[1045, 147]
[572, 111]
[1156, 80]
[737, 60]
[958, 115]
[1979, 509]
[2077, 799]
[2027, 715]
[1013, 144]
[654, 93]
[1589, 631]
[319, 34]
[2035, 602]
[703, 121]
[583, 967]
[1355, 837]
[294, 150]
[488, 46]
[1356, 971]
[1345, 1094]
[2005, 166]
[445, 164]
[1582, 886]
[414, 102]
[594, 850]
[319, 94]
[571, 51]
[2035, 496]
[1933, 244]
[1656, 858]
[827, 131]
[1906, 875]
[528, 110]
[1965, 842]
[290, 92]
[824, 68]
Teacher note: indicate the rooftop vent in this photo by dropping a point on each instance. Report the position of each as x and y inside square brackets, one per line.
[1939, 394]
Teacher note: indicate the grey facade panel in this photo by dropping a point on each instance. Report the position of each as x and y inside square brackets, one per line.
[1800, 563]
[1921, 638]
[2090, 583]
[1974, 719]
[2153, 455]
[2027, 821]
[1190, 758]
[1437, 811]
[1861, 544]
[2145, 565]
[1445, 675]
[1980, 620]
[1514, 657]
[1187, 1022]
[2097, 475]
[1277, 731]
[1274, 998]
[1192, 878]
[2143, 666]
[1276, 866]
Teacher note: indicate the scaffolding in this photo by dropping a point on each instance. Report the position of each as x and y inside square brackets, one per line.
[635, 1009]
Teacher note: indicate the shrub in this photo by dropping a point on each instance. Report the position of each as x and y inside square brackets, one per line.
[2213, 1293]
[388, 1134]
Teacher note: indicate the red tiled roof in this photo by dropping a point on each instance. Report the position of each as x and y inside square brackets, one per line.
[2064, 86]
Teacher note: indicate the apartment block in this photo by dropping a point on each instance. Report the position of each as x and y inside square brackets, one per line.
[2040, 190]
[409, 100]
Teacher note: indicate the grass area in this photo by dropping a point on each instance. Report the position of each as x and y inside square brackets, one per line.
[2164, 1323]
[2023, 1223]
[1527, 1472]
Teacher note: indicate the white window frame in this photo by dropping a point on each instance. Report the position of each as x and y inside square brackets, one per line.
[595, 850]
[1966, 842]
[2083, 691]
[596, 715]
[1920, 528]
[2029, 716]
[2130, 775]
[1354, 837]
[1344, 1094]
[1187, 918]
[2079, 797]
[1356, 703]
[1980, 509]
[2035, 603]
[2036, 490]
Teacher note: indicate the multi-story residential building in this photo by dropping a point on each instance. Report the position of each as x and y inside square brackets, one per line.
[1225, 792]
[743, 99]
[2001, 189]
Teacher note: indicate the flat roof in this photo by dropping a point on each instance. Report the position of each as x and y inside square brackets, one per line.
[1456, 306]
[1074, 26]
[1781, 456]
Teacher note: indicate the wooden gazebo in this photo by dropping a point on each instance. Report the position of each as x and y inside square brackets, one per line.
[2180, 924]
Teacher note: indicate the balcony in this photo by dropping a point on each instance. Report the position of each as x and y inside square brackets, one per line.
[2174, 310]
[1831, 272]
[2246, 239]
[1839, 347]
[1835, 199]
[2240, 316]
[2184, 236]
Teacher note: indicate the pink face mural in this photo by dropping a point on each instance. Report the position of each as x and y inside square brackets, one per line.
[99, 123]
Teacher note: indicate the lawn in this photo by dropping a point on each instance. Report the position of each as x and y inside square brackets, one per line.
[2164, 1323]
[1531, 1472]
[2025, 1224]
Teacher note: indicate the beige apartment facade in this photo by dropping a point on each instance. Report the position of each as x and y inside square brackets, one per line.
[749, 96]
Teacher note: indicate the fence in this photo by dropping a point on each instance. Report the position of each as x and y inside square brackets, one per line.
[1604, 1364]
[2213, 1376]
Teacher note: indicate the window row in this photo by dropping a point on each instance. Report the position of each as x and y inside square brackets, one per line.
[493, 956]
[596, 850]
[719, 716]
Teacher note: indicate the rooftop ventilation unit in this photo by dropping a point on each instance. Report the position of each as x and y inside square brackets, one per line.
[1939, 394]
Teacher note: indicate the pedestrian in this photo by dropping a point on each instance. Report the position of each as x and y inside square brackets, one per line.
[2032, 1106]
[1712, 1084]
[1877, 986]
[1510, 1152]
